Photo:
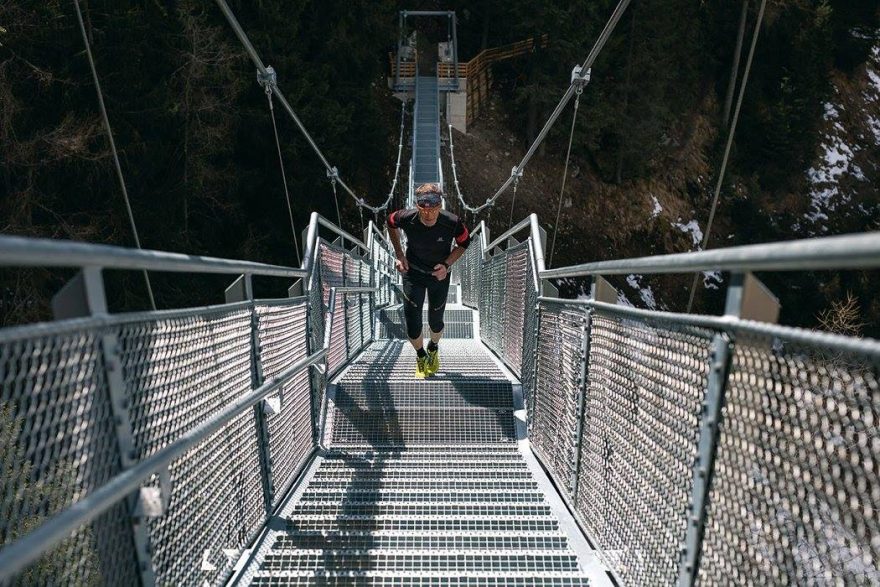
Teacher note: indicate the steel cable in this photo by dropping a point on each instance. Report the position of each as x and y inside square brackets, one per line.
[577, 102]
[588, 63]
[730, 135]
[283, 174]
[255, 58]
[106, 120]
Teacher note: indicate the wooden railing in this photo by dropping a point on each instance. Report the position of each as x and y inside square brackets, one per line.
[477, 71]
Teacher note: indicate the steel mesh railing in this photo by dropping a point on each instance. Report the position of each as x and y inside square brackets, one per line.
[647, 382]
[796, 491]
[82, 401]
[556, 411]
[386, 275]
[282, 331]
[50, 384]
[505, 289]
[180, 369]
[621, 412]
[469, 269]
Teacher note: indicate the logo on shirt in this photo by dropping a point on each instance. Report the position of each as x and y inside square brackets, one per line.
[440, 239]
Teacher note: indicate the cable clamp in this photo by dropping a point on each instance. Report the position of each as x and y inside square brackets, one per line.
[516, 173]
[333, 174]
[580, 78]
[267, 80]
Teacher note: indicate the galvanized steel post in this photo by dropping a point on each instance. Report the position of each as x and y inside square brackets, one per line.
[583, 383]
[84, 295]
[710, 420]
[242, 289]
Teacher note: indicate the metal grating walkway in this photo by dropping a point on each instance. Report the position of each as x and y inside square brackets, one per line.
[423, 482]
[426, 134]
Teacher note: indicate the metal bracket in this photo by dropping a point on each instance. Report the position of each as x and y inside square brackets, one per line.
[580, 78]
[272, 406]
[153, 502]
[267, 80]
[516, 173]
[333, 174]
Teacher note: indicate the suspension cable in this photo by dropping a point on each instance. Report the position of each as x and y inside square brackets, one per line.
[569, 92]
[252, 53]
[267, 84]
[516, 174]
[334, 177]
[106, 120]
[455, 171]
[397, 165]
[730, 135]
[577, 102]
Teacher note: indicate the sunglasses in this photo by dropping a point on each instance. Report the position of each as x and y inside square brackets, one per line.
[429, 200]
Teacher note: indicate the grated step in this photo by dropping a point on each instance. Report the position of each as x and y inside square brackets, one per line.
[354, 496]
[294, 578]
[446, 475]
[423, 426]
[420, 541]
[449, 509]
[350, 483]
[420, 560]
[395, 523]
[372, 395]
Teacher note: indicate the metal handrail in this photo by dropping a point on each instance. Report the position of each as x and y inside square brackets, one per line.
[311, 248]
[854, 251]
[17, 251]
[530, 221]
[17, 555]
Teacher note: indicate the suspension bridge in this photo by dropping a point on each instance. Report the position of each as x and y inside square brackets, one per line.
[564, 442]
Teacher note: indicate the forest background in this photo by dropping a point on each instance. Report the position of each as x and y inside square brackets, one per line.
[198, 152]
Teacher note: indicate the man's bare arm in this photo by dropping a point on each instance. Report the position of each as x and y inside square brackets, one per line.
[402, 264]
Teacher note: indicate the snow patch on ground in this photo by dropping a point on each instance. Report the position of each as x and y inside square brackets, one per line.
[657, 207]
[712, 279]
[838, 150]
[645, 291]
[693, 228]
[622, 300]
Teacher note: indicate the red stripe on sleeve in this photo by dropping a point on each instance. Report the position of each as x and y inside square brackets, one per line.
[463, 236]
[392, 220]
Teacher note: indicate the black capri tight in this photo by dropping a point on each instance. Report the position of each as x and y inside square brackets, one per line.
[414, 287]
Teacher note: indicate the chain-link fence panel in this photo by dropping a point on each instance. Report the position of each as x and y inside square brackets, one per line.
[530, 333]
[181, 368]
[469, 268]
[795, 496]
[559, 389]
[316, 327]
[282, 336]
[646, 383]
[337, 352]
[386, 273]
[513, 312]
[331, 261]
[492, 300]
[57, 445]
[354, 331]
[367, 308]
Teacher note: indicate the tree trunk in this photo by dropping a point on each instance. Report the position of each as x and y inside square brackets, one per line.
[734, 70]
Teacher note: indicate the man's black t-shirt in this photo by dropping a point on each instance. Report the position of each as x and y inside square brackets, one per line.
[429, 245]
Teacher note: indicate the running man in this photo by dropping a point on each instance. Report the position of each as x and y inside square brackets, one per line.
[430, 233]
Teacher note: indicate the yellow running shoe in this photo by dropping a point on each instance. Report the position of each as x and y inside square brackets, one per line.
[433, 362]
[422, 367]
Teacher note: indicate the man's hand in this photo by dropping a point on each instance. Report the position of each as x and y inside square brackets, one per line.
[440, 271]
[402, 264]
